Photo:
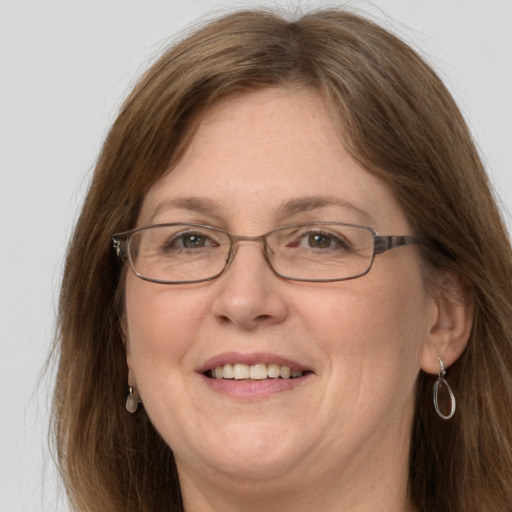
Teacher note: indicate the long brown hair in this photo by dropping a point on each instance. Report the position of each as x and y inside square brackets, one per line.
[399, 122]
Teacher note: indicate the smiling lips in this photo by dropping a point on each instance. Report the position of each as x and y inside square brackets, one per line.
[258, 371]
[252, 376]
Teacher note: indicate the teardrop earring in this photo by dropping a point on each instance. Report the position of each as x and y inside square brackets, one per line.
[132, 400]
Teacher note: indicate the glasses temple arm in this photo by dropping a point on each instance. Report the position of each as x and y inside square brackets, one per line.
[384, 243]
[120, 245]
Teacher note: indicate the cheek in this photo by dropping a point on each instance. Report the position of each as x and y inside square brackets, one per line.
[371, 330]
[160, 324]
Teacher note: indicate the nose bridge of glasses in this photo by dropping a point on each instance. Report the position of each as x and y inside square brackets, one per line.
[244, 238]
[237, 239]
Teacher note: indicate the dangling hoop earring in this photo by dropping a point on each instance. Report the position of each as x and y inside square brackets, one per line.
[132, 400]
[441, 380]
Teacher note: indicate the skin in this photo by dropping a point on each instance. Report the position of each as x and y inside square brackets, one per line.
[338, 439]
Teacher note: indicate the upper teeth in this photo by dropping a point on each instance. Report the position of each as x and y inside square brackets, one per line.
[257, 371]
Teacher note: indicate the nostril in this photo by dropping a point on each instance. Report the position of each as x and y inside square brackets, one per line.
[263, 317]
[224, 319]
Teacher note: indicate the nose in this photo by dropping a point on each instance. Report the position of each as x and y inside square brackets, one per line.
[250, 294]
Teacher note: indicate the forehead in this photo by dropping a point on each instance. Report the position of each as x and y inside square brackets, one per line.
[255, 152]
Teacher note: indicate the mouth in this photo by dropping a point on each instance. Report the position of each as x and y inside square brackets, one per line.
[253, 376]
[255, 372]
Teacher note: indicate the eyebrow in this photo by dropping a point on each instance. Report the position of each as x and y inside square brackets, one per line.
[289, 208]
[305, 204]
[194, 204]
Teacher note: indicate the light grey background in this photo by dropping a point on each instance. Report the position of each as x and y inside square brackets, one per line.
[64, 68]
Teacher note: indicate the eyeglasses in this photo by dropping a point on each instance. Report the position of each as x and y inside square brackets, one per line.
[192, 253]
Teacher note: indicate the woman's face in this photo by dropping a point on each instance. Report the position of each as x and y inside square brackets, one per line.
[262, 160]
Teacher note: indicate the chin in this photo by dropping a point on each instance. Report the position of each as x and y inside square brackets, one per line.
[250, 451]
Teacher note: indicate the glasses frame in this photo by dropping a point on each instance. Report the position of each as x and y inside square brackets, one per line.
[121, 244]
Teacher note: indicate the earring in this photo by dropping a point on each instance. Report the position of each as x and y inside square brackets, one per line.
[132, 400]
[442, 381]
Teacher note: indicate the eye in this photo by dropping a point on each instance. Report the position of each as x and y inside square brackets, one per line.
[320, 240]
[188, 240]
[192, 240]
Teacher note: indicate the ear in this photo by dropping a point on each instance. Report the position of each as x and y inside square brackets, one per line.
[132, 381]
[129, 361]
[127, 349]
[123, 331]
[451, 322]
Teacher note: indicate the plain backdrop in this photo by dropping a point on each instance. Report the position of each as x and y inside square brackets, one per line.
[65, 66]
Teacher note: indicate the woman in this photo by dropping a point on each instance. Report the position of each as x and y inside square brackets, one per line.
[291, 270]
